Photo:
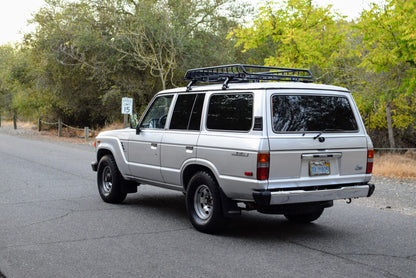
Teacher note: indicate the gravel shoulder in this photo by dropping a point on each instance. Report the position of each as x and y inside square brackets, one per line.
[391, 194]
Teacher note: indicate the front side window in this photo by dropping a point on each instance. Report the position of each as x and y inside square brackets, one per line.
[230, 112]
[304, 113]
[157, 113]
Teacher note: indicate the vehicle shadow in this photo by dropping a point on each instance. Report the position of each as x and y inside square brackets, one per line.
[255, 225]
[249, 225]
[167, 203]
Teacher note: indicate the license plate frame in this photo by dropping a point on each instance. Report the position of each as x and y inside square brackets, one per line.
[319, 168]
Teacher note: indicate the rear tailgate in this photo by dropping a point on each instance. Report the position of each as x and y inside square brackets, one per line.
[316, 138]
[301, 161]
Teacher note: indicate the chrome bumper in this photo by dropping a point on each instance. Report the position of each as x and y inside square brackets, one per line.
[267, 198]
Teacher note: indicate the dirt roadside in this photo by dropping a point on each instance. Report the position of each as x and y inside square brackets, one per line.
[30, 131]
[390, 194]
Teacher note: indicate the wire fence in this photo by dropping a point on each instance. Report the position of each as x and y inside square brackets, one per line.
[408, 151]
[60, 125]
[87, 132]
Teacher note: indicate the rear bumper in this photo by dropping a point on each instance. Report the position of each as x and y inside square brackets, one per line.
[269, 198]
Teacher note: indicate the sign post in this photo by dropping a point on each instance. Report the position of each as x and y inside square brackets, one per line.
[126, 109]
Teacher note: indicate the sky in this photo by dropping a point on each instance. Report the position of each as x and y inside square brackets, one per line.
[14, 14]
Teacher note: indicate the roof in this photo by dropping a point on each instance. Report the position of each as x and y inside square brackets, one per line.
[261, 85]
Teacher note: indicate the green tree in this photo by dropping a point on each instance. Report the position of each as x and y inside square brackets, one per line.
[388, 50]
[90, 53]
[296, 34]
[159, 35]
[83, 76]
[7, 56]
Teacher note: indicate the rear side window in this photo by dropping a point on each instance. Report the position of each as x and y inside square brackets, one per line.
[302, 113]
[187, 112]
[230, 112]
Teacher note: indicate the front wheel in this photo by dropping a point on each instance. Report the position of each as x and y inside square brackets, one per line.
[203, 203]
[109, 181]
[304, 218]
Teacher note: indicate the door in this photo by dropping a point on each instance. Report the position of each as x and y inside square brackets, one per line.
[144, 148]
[179, 142]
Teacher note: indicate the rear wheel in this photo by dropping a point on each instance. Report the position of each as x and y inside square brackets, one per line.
[304, 217]
[203, 203]
[109, 181]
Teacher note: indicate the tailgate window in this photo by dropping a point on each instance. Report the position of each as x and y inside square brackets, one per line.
[303, 113]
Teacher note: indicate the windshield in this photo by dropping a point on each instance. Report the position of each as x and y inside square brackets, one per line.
[304, 113]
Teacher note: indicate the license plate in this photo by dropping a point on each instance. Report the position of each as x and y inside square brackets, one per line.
[319, 168]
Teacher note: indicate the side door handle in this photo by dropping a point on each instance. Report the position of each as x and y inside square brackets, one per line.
[153, 146]
[189, 149]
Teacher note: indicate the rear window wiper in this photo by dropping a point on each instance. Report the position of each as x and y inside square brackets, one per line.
[327, 130]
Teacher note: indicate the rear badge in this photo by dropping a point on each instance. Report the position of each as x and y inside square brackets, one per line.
[240, 154]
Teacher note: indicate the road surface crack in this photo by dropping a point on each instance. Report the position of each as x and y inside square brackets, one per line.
[343, 257]
[97, 238]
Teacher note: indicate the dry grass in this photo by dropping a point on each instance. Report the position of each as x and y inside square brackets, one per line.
[113, 126]
[402, 166]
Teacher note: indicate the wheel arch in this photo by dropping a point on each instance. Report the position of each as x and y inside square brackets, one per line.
[190, 170]
[112, 146]
[103, 152]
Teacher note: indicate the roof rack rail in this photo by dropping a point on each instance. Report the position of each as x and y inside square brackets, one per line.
[245, 73]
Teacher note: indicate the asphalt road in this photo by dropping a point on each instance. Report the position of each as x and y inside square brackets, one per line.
[54, 224]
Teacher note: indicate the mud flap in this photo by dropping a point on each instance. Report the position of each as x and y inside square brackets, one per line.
[129, 186]
[229, 207]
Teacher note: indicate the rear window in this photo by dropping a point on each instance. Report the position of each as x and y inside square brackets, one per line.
[303, 113]
[187, 112]
[230, 112]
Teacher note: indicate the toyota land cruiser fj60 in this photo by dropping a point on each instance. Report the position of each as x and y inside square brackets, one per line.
[248, 142]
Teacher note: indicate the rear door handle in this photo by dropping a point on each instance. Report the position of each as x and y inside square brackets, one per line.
[189, 149]
[153, 146]
[321, 155]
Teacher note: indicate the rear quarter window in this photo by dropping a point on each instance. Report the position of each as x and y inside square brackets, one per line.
[230, 112]
[303, 113]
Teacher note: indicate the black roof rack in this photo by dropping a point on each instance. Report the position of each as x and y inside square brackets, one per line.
[245, 73]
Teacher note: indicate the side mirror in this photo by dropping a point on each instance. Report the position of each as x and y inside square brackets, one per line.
[138, 129]
[134, 120]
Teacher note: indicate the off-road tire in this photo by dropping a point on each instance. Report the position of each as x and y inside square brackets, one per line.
[203, 203]
[304, 218]
[109, 181]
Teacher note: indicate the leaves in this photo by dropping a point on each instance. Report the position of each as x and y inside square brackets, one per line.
[299, 34]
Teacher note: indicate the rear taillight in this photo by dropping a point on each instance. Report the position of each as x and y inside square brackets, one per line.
[263, 164]
[370, 161]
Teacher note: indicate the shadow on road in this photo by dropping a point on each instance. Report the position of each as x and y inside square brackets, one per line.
[250, 225]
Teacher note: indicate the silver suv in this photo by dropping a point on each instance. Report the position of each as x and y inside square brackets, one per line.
[287, 148]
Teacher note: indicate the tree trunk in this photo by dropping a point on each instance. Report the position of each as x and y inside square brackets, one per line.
[390, 126]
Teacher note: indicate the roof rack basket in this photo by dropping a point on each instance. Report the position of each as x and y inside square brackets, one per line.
[245, 73]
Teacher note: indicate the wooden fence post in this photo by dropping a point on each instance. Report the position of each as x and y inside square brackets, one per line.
[126, 119]
[0, 120]
[14, 121]
[59, 127]
[87, 133]
[39, 125]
